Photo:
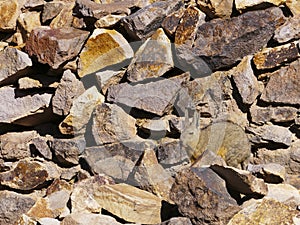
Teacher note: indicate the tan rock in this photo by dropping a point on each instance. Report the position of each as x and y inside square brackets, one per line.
[108, 78]
[27, 83]
[9, 13]
[103, 48]
[289, 30]
[51, 9]
[294, 6]
[129, 203]
[171, 22]
[64, 17]
[83, 218]
[109, 20]
[216, 8]
[48, 221]
[29, 21]
[244, 4]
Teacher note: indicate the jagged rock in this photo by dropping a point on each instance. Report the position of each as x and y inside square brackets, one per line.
[31, 4]
[155, 128]
[129, 203]
[9, 13]
[65, 16]
[67, 151]
[261, 115]
[152, 177]
[178, 221]
[48, 221]
[272, 57]
[289, 30]
[15, 110]
[107, 78]
[55, 46]
[103, 48]
[40, 144]
[37, 81]
[270, 133]
[82, 218]
[153, 58]
[201, 195]
[245, 81]
[74, 172]
[263, 212]
[245, 4]
[295, 157]
[241, 181]
[155, 97]
[68, 89]
[112, 124]
[28, 21]
[294, 6]
[51, 10]
[270, 172]
[13, 64]
[216, 8]
[237, 37]
[109, 20]
[13, 205]
[16, 145]
[28, 83]
[171, 22]
[28, 174]
[276, 90]
[143, 23]
[81, 111]
[208, 158]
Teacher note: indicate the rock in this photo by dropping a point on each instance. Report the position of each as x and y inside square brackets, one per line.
[152, 177]
[13, 205]
[294, 6]
[64, 17]
[245, 81]
[28, 83]
[295, 157]
[155, 97]
[262, 212]
[28, 174]
[241, 181]
[261, 115]
[171, 22]
[82, 218]
[109, 21]
[155, 128]
[17, 110]
[9, 11]
[37, 81]
[55, 46]
[68, 90]
[216, 8]
[289, 30]
[201, 195]
[40, 144]
[242, 5]
[143, 23]
[15, 146]
[67, 151]
[51, 10]
[270, 172]
[208, 158]
[235, 39]
[13, 64]
[25, 220]
[112, 124]
[129, 203]
[28, 21]
[48, 221]
[177, 221]
[81, 111]
[270, 134]
[107, 78]
[31, 4]
[153, 58]
[103, 48]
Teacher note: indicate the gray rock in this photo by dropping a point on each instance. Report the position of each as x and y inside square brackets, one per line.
[154, 128]
[143, 23]
[41, 145]
[51, 9]
[171, 22]
[289, 30]
[33, 3]
[107, 78]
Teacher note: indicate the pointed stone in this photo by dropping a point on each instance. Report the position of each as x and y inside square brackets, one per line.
[153, 59]
[103, 48]
[216, 8]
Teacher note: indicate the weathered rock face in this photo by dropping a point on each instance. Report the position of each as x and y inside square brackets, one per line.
[171, 22]
[12, 206]
[51, 9]
[216, 8]
[276, 90]
[294, 6]
[103, 48]
[129, 203]
[229, 46]
[55, 46]
[244, 4]
[9, 11]
[288, 31]
[270, 172]
[201, 195]
[143, 23]
[29, 21]
[108, 78]
[89, 218]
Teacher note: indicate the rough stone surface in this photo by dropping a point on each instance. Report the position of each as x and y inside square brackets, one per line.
[294, 6]
[155, 97]
[107, 78]
[244, 4]
[112, 124]
[51, 9]
[201, 195]
[130, 203]
[234, 40]
[12, 206]
[89, 218]
[270, 172]
[171, 22]
[216, 8]
[28, 21]
[65, 17]
[154, 129]
[67, 91]
[55, 46]
[103, 48]
[178, 221]
[40, 144]
[289, 30]
[145, 22]
[9, 12]
[153, 59]
[276, 90]
[12, 63]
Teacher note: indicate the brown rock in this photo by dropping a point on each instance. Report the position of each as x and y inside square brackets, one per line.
[153, 58]
[129, 203]
[9, 12]
[235, 39]
[64, 17]
[51, 10]
[171, 22]
[143, 23]
[13, 205]
[201, 195]
[112, 124]
[245, 4]
[289, 30]
[68, 90]
[148, 96]
[103, 48]
[109, 21]
[13, 64]
[216, 8]
[208, 158]
[272, 57]
[55, 46]
[108, 78]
